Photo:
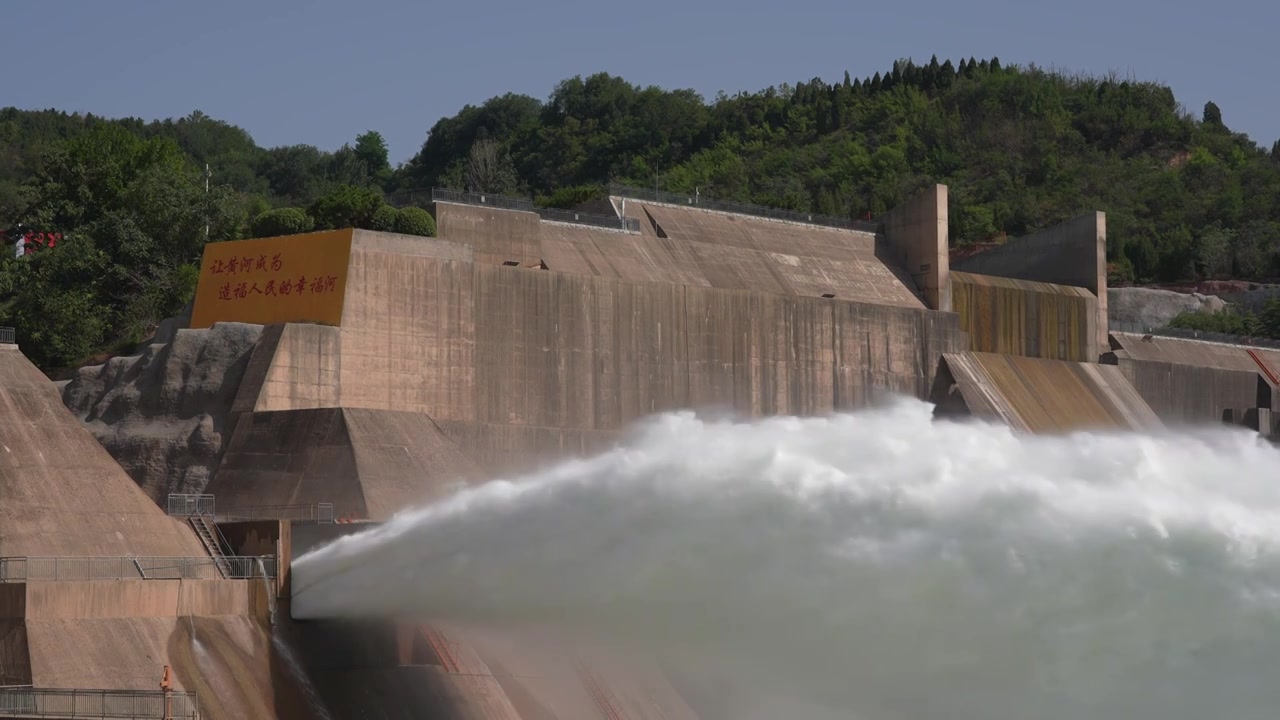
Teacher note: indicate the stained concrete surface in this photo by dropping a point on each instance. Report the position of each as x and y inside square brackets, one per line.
[1041, 396]
[1071, 253]
[1024, 317]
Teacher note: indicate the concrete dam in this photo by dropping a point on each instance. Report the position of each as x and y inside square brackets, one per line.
[677, 460]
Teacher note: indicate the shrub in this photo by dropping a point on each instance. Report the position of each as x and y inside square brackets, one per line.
[283, 221]
[384, 219]
[415, 221]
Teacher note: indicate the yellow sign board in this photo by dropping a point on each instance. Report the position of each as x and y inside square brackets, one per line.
[292, 278]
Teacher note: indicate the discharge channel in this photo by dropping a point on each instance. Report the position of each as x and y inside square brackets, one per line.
[877, 564]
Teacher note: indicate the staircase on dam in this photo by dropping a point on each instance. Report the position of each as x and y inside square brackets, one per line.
[210, 538]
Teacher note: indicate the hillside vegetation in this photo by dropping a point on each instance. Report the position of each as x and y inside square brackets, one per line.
[1020, 148]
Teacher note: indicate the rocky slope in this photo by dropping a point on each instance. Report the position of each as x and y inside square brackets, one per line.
[1144, 309]
[163, 413]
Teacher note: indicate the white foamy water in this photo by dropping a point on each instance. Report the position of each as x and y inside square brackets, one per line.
[879, 564]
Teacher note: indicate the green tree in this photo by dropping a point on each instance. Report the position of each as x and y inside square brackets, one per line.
[489, 169]
[371, 149]
[53, 302]
[346, 207]
[144, 207]
[1212, 115]
[282, 221]
[1270, 318]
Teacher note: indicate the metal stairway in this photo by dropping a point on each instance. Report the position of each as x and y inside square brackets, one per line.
[209, 536]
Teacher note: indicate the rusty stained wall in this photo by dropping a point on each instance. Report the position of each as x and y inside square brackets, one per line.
[1043, 396]
[1071, 253]
[1023, 317]
[482, 344]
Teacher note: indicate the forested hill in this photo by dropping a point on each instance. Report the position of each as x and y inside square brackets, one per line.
[1020, 148]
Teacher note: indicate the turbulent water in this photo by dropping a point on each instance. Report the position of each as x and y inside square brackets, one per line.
[878, 564]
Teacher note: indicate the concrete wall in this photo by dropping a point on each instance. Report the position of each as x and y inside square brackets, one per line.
[473, 343]
[1073, 253]
[367, 463]
[295, 365]
[701, 248]
[61, 493]
[452, 371]
[1194, 394]
[494, 236]
[1195, 381]
[287, 458]
[145, 599]
[919, 231]
[1021, 317]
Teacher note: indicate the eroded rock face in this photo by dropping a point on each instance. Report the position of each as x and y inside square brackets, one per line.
[164, 413]
[1145, 309]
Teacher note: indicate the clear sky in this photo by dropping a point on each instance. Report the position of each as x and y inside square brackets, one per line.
[322, 72]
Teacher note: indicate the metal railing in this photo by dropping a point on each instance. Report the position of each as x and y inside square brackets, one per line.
[90, 569]
[741, 208]
[420, 197]
[321, 513]
[8, 336]
[1188, 334]
[553, 214]
[27, 702]
[186, 505]
[578, 218]
[503, 202]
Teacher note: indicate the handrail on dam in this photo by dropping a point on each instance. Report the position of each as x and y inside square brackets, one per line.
[697, 200]
[320, 513]
[87, 569]
[186, 505]
[1205, 336]
[505, 202]
[8, 336]
[29, 702]
[553, 214]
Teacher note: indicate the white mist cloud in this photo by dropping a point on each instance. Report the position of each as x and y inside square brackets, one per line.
[878, 563]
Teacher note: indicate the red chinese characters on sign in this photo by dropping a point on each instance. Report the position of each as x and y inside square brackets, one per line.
[247, 264]
[279, 286]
